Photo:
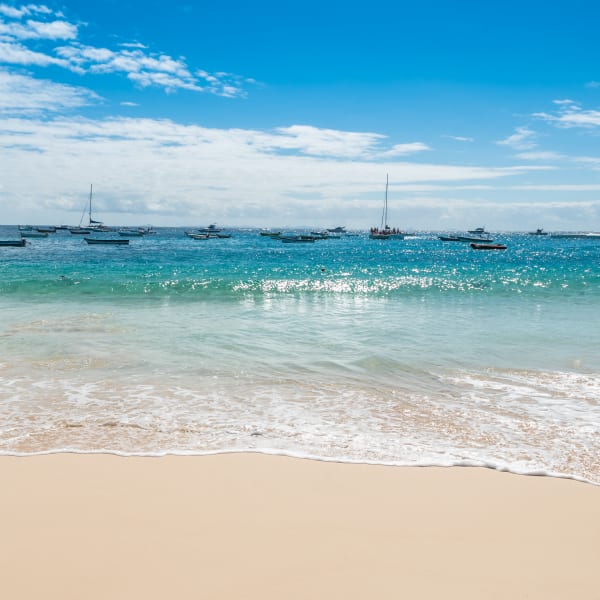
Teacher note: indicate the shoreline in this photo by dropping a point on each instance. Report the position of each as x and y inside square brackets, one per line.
[251, 525]
[467, 464]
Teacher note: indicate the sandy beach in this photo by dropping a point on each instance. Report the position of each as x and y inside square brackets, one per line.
[266, 527]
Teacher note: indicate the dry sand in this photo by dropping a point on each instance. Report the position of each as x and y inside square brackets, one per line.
[248, 526]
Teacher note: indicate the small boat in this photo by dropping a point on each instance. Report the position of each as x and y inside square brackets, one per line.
[46, 229]
[80, 230]
[212, 228]
[479, 231]
[448, 238]
[34, 234]
[14, 243]
[297, 239]
[197, 236]
[539, 231]
[131, 232]
[339, 229]
[475, 238]
[488, 246]
[326, 235]
[106, 241]
[270, 234]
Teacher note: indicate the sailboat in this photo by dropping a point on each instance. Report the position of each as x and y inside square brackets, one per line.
[385, 232]
[92, 224]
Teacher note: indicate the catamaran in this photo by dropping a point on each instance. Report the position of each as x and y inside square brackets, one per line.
[385, 232]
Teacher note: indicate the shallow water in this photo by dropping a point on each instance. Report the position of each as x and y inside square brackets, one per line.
[397, 352]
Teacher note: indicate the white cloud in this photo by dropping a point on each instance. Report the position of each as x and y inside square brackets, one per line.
[522, 139]
[565, 102]
[572, 117]
[548, 155]
[17, 54]
[158, 167]
[314, 141]
[21, 94]
[22, 11]
[37, 30]
[459, 138]
[593, 84]
[558, 187]
[403, 149]
[590, 161]
[131, 59]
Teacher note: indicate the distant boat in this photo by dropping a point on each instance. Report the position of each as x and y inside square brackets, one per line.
[15, 243]
[385, 232]
[212, 228]
[34, 234]
[478, 231]
[338, 229]
[197, 236]
[297, 239]
[464, 238]
[46, 229]
[324, 235]
[539, 231]
[270, 234]
[79, 230]
[131, 232]
[476, 238]
[488, 246]
[117, 241]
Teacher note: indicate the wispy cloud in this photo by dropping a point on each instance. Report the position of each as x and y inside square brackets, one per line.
[571, 114]
[24, 11]
[590, 161]
[522, 139]
[24, 95]
[38, 30]
[459, 138]
[17, 54]
[134, 60]
[342, 144]
[548, 155]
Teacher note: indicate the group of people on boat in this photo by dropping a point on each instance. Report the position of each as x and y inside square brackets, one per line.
[385, 230]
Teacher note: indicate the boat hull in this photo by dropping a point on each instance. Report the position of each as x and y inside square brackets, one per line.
[386, 236]
[106, 242]
[13, 243]
[488, 246]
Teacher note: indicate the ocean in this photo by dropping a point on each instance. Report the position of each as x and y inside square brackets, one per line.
[399, 352]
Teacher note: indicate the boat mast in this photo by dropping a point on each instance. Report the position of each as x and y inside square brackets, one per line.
[384, 222]
[90, 209]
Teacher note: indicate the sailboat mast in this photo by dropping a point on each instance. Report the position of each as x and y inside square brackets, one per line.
[386, 204]
[90, 209]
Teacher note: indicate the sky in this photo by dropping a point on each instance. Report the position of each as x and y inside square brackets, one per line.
[290, 113]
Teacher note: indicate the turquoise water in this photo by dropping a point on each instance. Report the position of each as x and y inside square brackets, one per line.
[395, 352]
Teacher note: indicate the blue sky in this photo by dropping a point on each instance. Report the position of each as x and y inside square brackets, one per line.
[288, 113]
